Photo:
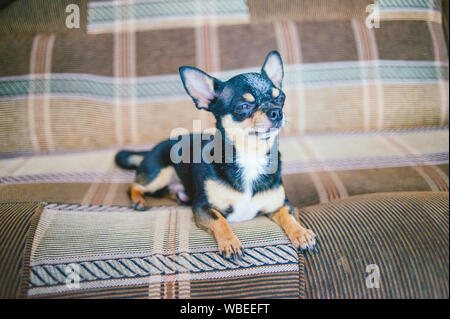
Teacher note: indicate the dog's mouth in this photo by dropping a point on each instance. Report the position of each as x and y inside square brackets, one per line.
[266, 133]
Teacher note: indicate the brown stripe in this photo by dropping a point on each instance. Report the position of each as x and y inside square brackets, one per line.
[17, 226]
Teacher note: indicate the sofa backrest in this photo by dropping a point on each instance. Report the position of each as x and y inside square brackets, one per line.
[114, 80]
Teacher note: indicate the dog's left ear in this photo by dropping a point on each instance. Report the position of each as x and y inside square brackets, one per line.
[200, 86]
[273, 68]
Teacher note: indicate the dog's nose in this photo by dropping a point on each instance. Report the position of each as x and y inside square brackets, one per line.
[275, 114]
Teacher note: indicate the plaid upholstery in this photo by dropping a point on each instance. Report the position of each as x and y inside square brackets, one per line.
[340, 75]
[161, 254]
[365, 147]
[316, 169]
[404, 234]
[18, 222]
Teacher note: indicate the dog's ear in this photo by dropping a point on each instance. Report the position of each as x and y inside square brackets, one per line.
[200, 86]
[273, 68]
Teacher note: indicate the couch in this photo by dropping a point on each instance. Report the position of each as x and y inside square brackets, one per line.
[365, 149]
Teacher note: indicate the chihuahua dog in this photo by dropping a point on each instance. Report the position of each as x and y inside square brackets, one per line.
[237, 185]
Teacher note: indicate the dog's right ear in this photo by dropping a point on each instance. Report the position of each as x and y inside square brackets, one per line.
[201, 87]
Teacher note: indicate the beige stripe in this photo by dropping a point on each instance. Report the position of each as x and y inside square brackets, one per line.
[378, 84]
[206, 58]
[215, 51]
[318, 184]
[427, 178]
[363, 55]
[373, 47]
[118, 64]
[162, 23]
[111, 194]
[338, 183]
[295, 42]
[38, 107]
[185, 220]
[31, 96]
[46, 99]
[20, 162]
[90, 193]
[441, 174]
[154, 287]
[169, 280]
[412, 150]
[132, 116]
[372, 53]
[45, 221]
[432, 15]
[405, 149]
[438, 45]
[320, 188]
[289, 46]
[160, 229]
[161, 224]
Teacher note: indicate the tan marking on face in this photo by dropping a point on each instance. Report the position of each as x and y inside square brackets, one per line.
[163, 179]
[243, 142]
[248, 97]
[223, 196]
[275, 92]
[260, 120]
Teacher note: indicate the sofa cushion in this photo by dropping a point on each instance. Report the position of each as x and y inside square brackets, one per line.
[67, 251]
[402, 237]
[161, 253]
[316, 169]
[18, 222]
[109, 84]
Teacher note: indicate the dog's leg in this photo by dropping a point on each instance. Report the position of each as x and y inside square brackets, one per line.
[299, 235]
[149, 182]
[213, 221]
[137, 200]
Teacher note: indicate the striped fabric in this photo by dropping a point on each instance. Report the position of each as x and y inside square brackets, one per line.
[18, 222]
[404, 235]
[316, 169]
[161, 254]
[59, 90]
[365, 148]
[325, 10]
[116, 251]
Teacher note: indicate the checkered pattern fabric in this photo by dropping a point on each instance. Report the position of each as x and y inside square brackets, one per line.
[365, 148]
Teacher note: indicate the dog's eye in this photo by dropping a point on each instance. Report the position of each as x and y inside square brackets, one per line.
[244, 107]
[280, 99]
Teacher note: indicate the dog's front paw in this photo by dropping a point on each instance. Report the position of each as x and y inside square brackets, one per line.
[301, 237]
[230, 247]
[140, 205]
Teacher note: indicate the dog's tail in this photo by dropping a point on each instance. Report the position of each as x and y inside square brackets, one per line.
[129, 159]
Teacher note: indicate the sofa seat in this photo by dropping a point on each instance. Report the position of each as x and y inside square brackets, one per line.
[66, 216]
[317, 168]
[76, 251]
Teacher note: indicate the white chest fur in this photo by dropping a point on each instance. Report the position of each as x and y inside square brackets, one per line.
[244, 205]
